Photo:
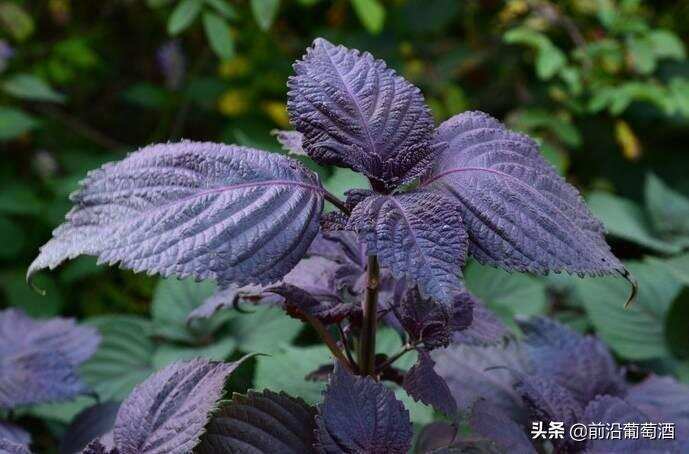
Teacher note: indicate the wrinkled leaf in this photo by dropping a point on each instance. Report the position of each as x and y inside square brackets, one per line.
[261, 422]
[361, 415]
[418, 235]
[167, 413]
[491, 422]
[291, 141]
[425, 385]
[355, 112]
[205, 210]
[519, 213]
[581, 364]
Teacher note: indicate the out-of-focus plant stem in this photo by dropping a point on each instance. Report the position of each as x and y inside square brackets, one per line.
[367, 339]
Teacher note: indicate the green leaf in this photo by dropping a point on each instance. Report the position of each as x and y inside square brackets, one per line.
[183, 15]
[624, 219]
[667, 208]
[371, 14]
[678, 266]
[549, 58]
[643, 57]
[676, 322]
[265, 12]
[666, 44]
[14, 122]
[223, 8]
[219, 35]
[19, 199]
[506, 293]
[251, 330]
[19, 294]
[287, 368]
[31, 87]
[217, 351]
[549, 61]
[124, 358]
[636, 332]
[16, 21]
[173, 300]
[147, 95]
[12, 238]
[679, 91]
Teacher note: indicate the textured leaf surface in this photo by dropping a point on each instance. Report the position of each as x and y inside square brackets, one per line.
[519, 213]
[491, 422]
[301, 303]
[361, 415]
[124, 357]
[63, 335]
[581, 364]
[38, 358]
[668, 209]
[10, 447]
[663, 399]
[429, 322]
[425, 385]
[167, 413]
[14, 434]
[636, 332]
[173, 300]
[299, 361]
[485, 328]
[418, 235]
[625, 219]
[258, 423]
[547, 401]
[355, 112]
[291, 141]
[204, 210]
[226, 298]
[433, 436]
[90, 424]
[608, 409]
[472, 373]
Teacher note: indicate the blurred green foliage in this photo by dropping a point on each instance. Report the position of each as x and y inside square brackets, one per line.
[603, 85]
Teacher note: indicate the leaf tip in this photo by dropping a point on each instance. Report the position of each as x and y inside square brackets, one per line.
[635, 287]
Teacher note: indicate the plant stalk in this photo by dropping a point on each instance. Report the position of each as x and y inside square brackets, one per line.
[367, 338]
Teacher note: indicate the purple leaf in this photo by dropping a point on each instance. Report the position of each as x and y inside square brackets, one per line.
[355, 112]
[299, 302]
[229, 297]
[519, 213]
[354, 196]
[10, 447]
[96, 447]
[19, 332]
[265, 422]
[664, 400]
[429, 322]
[38, 358]
[167, 413]
[423, 384]
[418, 235]
[485, 329]
[291, 141]
[608, 409]
[494, 424]
[435, 435]
[547, 401]
[90, 424]
[14, 434]
[211, 211]
[582, 364]
[333, 221]
[472, 373]
[361, 415]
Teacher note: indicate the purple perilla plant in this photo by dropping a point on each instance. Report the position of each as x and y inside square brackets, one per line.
[253, 221]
